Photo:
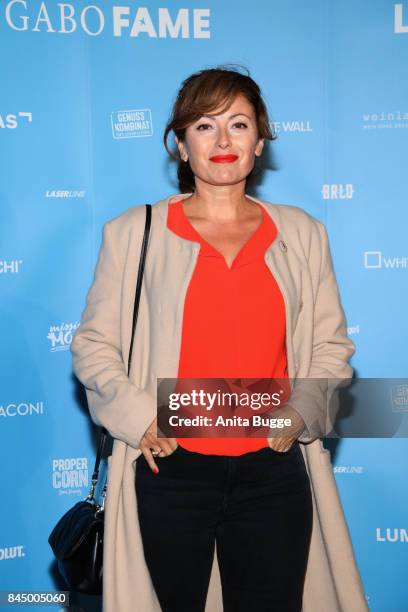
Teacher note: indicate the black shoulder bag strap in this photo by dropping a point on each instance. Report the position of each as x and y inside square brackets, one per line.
[104, 432]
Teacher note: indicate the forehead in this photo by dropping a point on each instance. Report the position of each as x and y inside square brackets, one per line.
[240, 104]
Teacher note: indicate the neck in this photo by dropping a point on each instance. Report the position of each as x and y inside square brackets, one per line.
[220, 203]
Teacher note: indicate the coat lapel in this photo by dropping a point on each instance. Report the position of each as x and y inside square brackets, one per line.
[171, 268]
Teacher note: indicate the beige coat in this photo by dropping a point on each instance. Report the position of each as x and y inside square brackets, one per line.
[317, 346]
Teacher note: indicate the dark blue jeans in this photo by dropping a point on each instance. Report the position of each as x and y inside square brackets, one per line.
[256, 507]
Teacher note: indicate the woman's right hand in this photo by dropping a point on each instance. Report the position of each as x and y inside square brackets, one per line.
[150, 442]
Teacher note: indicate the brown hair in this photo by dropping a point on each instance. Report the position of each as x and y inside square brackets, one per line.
[203, 92]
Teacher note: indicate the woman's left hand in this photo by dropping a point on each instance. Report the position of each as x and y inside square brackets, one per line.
[292, 432]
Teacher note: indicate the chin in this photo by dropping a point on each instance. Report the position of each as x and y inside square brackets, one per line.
[227, 179]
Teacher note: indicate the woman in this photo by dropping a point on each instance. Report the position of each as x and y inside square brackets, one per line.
[234, 287]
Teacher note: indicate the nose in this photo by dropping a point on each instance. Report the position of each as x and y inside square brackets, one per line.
[223, 139]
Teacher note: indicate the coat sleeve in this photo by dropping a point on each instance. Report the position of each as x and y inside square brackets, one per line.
[315, 398]
[114, 402]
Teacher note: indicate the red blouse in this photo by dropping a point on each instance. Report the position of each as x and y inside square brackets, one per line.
[233, 322]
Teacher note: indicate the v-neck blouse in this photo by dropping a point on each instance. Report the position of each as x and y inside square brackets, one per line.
[233, 322]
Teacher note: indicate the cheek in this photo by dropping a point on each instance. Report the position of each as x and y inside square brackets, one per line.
[249, 144]
[247, 155]
[197, 148]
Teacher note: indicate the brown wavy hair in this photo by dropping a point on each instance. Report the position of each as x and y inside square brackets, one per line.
[203, 92]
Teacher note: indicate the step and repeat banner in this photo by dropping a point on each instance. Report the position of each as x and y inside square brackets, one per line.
[86, 90]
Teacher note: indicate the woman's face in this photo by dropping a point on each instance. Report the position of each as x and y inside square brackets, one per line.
[221, 149]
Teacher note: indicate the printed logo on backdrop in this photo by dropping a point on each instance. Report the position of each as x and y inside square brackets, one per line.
[353, 330]
[60, 336]
[348, 469]
[289, 126]
[132, 123]
[337, 191]
[12, 122]
[12, 552]
[10, 266]
[399, 398]
[61, 193]
[401, 12]
[393, 535]
[70, 475]
[385, 120]
[22, 409]
[375, 260]
[67, 18]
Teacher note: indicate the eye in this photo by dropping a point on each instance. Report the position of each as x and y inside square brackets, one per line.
[204, 126]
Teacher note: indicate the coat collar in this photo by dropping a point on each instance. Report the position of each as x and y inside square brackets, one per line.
[271, 209]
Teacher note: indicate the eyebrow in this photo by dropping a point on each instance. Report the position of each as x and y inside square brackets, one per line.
[230, 117]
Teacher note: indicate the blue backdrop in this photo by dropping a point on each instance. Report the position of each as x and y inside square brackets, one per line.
[86, 90]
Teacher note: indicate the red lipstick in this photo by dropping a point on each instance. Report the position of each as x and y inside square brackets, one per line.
[223, 159]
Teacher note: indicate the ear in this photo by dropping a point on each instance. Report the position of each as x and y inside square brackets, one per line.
[259, 147]
[181, 148]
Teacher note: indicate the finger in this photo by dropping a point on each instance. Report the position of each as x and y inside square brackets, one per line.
[166, 447]
[150, 435]
[153, 438]
[278, 444]
[151, 442]
[150, 459]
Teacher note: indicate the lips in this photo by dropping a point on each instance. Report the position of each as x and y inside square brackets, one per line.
[223, 159]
